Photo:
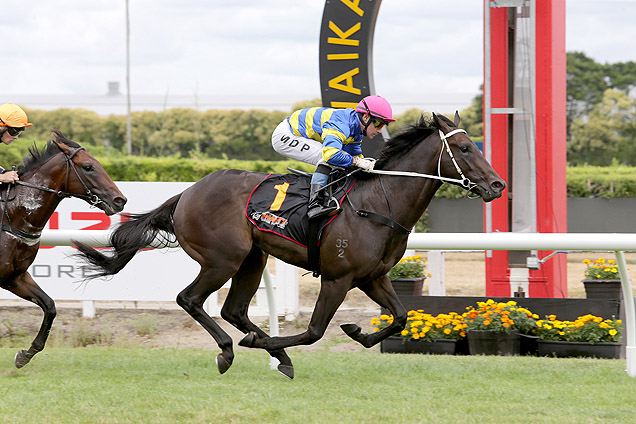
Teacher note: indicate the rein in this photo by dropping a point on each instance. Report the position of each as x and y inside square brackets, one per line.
[464, 182]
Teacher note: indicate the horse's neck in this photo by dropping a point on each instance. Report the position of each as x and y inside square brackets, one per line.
[32, 208]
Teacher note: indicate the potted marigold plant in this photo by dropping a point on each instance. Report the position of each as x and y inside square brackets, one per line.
[424, 333]
[588, 335]
[408, 275]
[494, 328]
[602, 279]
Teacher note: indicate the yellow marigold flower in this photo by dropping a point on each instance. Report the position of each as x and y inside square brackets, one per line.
[552, 317]
[384, 317]
[613, 332]
[376, 329]
[375, 321]
[404, 332]
[415, 336]
[486, 322]
[447, 331]
[587, 261]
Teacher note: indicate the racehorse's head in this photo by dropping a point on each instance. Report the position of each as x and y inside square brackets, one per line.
[465, 162]
[87, 179]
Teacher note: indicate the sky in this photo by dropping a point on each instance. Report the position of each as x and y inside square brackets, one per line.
[424, 50]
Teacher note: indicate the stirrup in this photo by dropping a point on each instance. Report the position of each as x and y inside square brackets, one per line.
[318, 210]
[333, 201]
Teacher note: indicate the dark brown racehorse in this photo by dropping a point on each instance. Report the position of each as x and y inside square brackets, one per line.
[208, 220]
[62, 169]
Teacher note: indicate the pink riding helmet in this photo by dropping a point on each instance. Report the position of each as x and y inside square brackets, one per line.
[376, 106]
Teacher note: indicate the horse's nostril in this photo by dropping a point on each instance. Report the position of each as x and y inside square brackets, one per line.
[120, 201]
[498, 185]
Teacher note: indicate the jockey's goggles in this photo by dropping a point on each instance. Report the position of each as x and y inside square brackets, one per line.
[378, 123]
[13, 131]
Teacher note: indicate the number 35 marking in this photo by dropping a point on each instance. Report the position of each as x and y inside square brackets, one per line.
[341, 245]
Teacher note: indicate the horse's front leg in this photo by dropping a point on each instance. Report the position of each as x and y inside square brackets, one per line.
[381, 291]
[332, 294]
[25, 287]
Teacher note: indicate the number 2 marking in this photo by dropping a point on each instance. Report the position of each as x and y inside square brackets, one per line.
[280, 196]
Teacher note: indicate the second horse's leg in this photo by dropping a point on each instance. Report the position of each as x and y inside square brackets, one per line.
[244, 285]
[25, 287]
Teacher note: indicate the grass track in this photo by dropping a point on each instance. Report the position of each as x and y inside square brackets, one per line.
[140, 385]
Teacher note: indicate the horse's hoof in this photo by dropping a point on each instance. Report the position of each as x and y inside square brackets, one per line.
[222, 364]
[286, 370]
[248, 340]
[22, 358]
[350, 329]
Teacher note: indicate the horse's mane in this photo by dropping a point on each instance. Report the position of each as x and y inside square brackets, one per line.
[407, 138]
[37, 157]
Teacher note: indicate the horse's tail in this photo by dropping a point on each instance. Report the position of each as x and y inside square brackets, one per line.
[128, 238]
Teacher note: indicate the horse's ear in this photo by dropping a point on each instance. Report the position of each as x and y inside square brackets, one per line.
[456, 119]
[63, 147]
[441, 123]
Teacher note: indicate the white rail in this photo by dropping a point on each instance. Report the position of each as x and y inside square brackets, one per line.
[618, 243]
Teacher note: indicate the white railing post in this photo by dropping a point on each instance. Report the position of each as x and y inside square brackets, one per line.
[630, 315]
[437, 280]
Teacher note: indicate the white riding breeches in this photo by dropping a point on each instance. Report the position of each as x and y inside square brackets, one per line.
[296, 147]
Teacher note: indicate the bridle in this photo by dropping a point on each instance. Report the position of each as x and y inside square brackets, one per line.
[89, 197]
[463, 181]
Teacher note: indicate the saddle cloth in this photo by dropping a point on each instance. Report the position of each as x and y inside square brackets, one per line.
[279, 205]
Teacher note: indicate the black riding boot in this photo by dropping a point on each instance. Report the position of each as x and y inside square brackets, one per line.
[317, 206]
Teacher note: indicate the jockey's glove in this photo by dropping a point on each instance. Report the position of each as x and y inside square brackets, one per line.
[365, 163]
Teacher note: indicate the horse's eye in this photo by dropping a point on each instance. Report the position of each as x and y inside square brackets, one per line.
[464, 148]
[87, 167]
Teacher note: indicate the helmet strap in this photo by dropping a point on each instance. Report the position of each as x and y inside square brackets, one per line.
[365, 125]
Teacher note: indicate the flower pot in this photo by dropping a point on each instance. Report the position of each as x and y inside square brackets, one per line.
[401, 345]
[408, 286]
[603, 289]
[484, 342]
[528, 344]
[561, 349]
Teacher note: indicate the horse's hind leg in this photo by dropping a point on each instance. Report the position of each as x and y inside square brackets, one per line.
[244, 285]
[25, 287]
[191, 299]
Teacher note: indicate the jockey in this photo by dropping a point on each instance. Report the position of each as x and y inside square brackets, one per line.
[328, 137]
[13, 120]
